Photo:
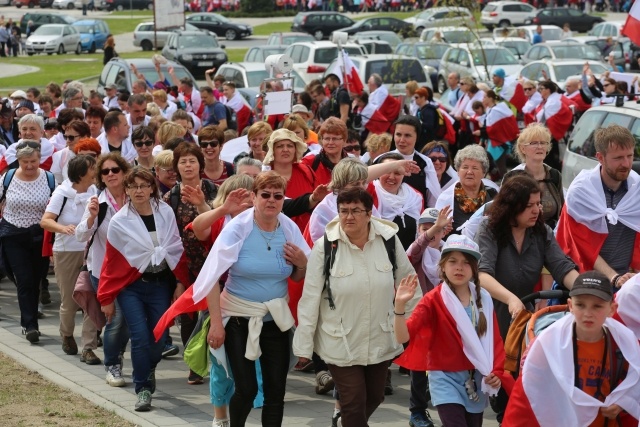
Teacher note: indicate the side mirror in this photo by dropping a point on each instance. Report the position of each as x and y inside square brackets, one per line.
[222, 46]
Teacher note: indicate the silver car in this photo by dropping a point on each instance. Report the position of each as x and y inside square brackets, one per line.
[442, 17]
[54, 38]
[144, 37]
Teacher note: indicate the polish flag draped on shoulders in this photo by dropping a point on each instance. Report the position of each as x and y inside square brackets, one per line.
[450, 134]
[46, 155]
[631, 27]
[576, 99]
[501, 125]
[582, 227]
[381, 111]
[243, 111]
[513, 92]
[556, 114]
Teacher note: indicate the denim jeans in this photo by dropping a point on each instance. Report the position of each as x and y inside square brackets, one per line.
[274, 363]
[143, 303]
[115, 335]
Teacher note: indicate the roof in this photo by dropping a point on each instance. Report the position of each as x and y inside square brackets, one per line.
[323, 43]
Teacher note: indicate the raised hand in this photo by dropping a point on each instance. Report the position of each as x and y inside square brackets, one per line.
[238, 201]
[406, 289]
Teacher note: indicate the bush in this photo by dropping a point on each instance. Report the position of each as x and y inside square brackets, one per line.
[270, 14]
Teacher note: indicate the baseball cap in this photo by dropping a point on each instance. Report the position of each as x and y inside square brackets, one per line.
[429, 216]
[111, 86]
[19, 94]
[500, 73]
[592, 283]
[26, 103]
[459, 243]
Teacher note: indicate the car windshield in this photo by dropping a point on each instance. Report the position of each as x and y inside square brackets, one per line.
[396, 70]
[494, 57]
[255, 78]
[221, 18]
[517, 47]
[459, 36]
[84, 29]
[431, 51]
[326, 55]
[564, 71]
[551, 33]
[48, 31]
[287, 40]
[576, 52]
[197, 41]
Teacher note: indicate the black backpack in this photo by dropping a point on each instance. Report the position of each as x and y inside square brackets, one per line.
[330, 249]
[232, 119]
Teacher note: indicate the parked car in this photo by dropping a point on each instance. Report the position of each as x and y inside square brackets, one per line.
[120, 5]
[66, 4]
[506, 13]
[54, 38]
[46, 3]
[310, 59]
[375, 46]
[144, 36]
[577, 20]
[516, 45]
[378, 23]
[386, 36]
[118, 72]
[559, 71]
[562, 50]
[441, 17]
[427, 53]
[93, 33]
[607, 29]
[622, 49]
[196, 50]
[42, 18]
[320, 24]
[471, 62]
[395, 70]
[249, 75]
[287, 38]
[260, 53]
[221, 26]
[549, 32]
[29, 3]
[456, 36]
[580, 153]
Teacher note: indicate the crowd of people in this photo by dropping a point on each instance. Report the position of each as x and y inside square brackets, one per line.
[288, 253]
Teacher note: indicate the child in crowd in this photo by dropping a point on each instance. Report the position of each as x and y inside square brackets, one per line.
[464, 354]
[584, 370]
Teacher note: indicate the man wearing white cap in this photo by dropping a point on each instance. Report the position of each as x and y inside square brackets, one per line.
[17, 97]
[111, 100]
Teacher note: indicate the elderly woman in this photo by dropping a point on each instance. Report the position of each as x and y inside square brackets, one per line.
[143, 247]
[211, 139]
[73, 132]
[532, 148]
[534, 99]
[330, 312]
[167, 108]
[333, 137]
[63, 213]
[21, 235]
[165, 173]
[93, 227]
[261, 248]
[31, 127]
[249, 166]
[471, 192]
[376, 145]
[143, 141]
[438, 153]
[65, 118]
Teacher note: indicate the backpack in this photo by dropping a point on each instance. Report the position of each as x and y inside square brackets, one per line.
[232, 118]
[439, 126]
[8, 177]
[330, 249]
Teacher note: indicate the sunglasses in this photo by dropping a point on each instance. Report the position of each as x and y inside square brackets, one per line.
[438, 159]
[114, 171]
[146, 143]
[71, 138]
[30, 144]
[206, 144]
[528, 88]
[278, 196]
[350, 148]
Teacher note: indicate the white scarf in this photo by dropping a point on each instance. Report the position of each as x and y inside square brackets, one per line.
[479, 350]
[75, 201]
[236, 102]
[430, 260]
[406, 202]
[532, 103]
[628, 299]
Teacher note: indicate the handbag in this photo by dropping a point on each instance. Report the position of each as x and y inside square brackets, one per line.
[50, 237]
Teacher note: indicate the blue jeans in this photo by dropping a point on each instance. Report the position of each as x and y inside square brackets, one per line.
[143, 303]
[115, 335]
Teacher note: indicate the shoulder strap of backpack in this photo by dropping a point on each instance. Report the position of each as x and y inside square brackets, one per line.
[316, 162]
[174, 197]
[102, 213]
[330, 249]
[51, 181]
[229, 167]
[211, 187]
[390, 246]
[8, 177]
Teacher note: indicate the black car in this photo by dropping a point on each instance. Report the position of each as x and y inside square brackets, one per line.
[41, 18]
[320, 24]
[558, 16]
[219, 25]
[196, 50]
[382, 23]
[124, 4]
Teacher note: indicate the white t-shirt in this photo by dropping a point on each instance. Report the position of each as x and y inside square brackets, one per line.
[71, 214]
[26, 200]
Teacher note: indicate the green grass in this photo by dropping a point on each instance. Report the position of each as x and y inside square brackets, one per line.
[134, 12]
[236, 55]
[121, 26]
[272, 27]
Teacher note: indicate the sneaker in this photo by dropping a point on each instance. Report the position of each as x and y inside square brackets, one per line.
[114, 376]
[421, 420]
[152, 381]
[307, 366]
[32, 335]
[45, 296]
[336, 420]
[194, 379]
[220, 423]
[90, 358]
[324, 382]
[170, 350]
[388, 387]
[69, 345]
[403, 371]
[143, 404]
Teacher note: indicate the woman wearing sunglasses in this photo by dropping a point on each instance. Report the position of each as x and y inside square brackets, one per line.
[438, 153]
[95, 221]
[211, 140]
[250, 319]
[143, 141]
[73, 132]
[144, 251]
[61, 217]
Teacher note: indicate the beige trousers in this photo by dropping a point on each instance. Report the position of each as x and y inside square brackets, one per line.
[67, 268]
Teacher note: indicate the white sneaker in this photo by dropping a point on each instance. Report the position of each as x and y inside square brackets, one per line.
[220, 423]
[114, 376]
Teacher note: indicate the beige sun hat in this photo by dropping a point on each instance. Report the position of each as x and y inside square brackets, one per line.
[281, 135]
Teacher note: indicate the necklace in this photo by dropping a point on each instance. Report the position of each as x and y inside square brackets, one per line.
[266, 235]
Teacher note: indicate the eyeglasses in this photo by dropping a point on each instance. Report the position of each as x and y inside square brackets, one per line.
[350, 148]
[114, 171]
[206, 144]
[139, 187]
[71, 138]
[463, 84]
[332, 139]
[528, 88]
[167, 170]
[537, 143]
[266, 195]
[146, 143]
[78, 98]
[355, 212]
[438, 159]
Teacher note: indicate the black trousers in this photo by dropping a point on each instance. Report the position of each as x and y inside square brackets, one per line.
[274, 363]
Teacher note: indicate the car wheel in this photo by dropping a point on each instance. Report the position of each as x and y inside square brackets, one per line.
[78, 49]
[504, 23]
[419, 30]
[442, 85]
[32, 5]
[119, 8]
[70, 6]
[18, 6]
[489, 27]
[92, 48]
[31, 53]
[60, 50]
[318, 35]
[49, 53]
[146, 45]
[230, 34]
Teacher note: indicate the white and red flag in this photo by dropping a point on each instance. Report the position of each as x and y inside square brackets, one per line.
[381, 111]
[513, 92]
[556, 115]
[352, 81]
[631, 27]
[242, 109]
[501, 125]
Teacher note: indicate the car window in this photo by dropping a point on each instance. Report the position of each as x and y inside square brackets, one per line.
[609, 30]
[313, 19]
[457, 36]
[255, 78]
[251, 55]
[559, 13]
[534, 53]
[325, 55]
[573, 12]
[490, 7]
[546, 13]
[402, 50]
[516, 47]
[237, 78]
[635, 130]
[581, 140]
[353, 51]
[431, 51]
[463, 58]
[396, 71]
[493, 57]
[440, 15]
[618, 119]
[196, 41]
[544, 53]
[532, 71]
[597, 30]
[526, 8]
[576, 52]
[510, 8]
[551, 33]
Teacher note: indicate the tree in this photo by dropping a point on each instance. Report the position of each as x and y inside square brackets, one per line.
[253, 6]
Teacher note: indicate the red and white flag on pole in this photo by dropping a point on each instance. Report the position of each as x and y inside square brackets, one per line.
[381, 111]
[631, 27]
[351, 77]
